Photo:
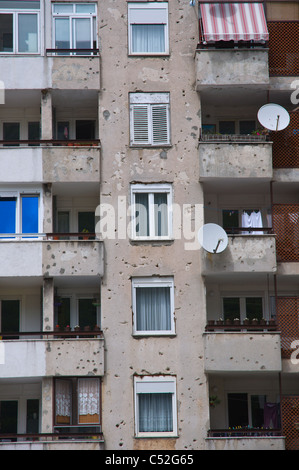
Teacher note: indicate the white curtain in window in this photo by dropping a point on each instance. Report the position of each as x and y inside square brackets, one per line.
[63, 398]
[155, 412]
[141, 215]
[161, 215]
[153, 308]
[148, 38]
[89, 397]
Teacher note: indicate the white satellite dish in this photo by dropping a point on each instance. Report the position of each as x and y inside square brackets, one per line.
[212, 238]
[273, 117]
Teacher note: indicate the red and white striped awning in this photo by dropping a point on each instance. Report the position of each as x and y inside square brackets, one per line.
[233, 21]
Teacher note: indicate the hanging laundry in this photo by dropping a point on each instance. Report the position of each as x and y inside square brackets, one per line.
[252, 219]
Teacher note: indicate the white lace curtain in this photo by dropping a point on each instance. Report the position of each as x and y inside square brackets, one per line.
[63, 398]
[89, 397]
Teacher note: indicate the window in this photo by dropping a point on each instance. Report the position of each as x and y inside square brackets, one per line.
[246, 410]
[243, 307]
[9, 318]
[71, 310]
[148, 28]
[151, 211]
[149, 119]
[77, 403]
[155, 406]
[153, 306]
[19, 27]
[75, 26]
[19, 213]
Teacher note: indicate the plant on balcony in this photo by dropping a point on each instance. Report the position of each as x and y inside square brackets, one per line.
[246, 321]
[236, 321]
[219, 321]
[254, 321]
[214, 400]
[85, 237]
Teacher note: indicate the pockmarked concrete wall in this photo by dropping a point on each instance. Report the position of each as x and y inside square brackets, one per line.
[122, 166]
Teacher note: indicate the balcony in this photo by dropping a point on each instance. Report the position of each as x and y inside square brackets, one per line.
[233, 350]
[235, 156]
[231, 67]
[244, 254]
[68, 354]
[50, 161]
[71, 72]
[48, 257]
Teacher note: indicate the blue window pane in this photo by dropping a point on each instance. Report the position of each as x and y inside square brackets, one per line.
[30, 214]
[7, 215]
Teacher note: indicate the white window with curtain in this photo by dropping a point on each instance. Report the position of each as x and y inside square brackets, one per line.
[153, 306]
[148, 28]
[149, 119]
[151, 210]
[74, 27]
[155, 406]
[19, 27]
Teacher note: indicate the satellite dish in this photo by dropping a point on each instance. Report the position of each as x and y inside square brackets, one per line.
[212, 238]
[273, 117]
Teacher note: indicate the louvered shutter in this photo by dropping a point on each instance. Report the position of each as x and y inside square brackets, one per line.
[140, 124]
[160, 124]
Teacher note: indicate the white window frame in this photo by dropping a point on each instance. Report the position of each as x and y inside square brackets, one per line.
[148, 13]
[143, 133]
[74, 15]
[153, 282]
[16, 12]
[151, 189]
[155, 384]
[19, 194]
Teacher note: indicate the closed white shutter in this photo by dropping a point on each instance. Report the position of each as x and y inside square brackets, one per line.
[160, 124]
[140, 124]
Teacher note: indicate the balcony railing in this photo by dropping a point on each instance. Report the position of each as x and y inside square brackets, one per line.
[234, 138]
[73, 52]
[14, 437]
[244, 432]
[51, 142]
[249, 230]
[288, 323]
[245, 325]
[286, 144]
[286, 228]
[283, 48]
[58, 332]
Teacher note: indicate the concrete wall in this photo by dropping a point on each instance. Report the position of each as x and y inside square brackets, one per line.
[219, 160]
[259, 352]
[50, 357]
[231, 67]
[244, 254]
[122, 165]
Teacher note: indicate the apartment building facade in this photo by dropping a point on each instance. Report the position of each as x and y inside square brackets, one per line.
[126, 126]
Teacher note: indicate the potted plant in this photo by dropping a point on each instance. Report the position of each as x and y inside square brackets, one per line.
[255, 321]
[246, 321]
[85, 237]
[236, 321]
[219, 321]
[214, 400]
[77, 328]
[228, 321]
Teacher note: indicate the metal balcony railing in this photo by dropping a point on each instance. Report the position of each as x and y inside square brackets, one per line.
[285, 221]
[58, 332]
[287, 313]
[285, 147]
[283, 48]
[50, 142]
